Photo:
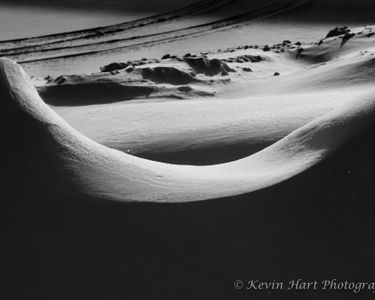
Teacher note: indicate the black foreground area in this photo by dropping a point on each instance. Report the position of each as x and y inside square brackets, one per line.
[318, 225]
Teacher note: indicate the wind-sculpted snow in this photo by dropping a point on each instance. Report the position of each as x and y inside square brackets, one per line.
[138, 79]
[43, 151]
[103, 42]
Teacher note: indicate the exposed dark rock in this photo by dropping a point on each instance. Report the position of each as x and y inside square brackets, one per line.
[113, 66]
[209, 67]
[255, 58]
[245, 58]
[338, 31]
[185, 89]
[48, 78]
[61, 79]
[266, 48]
[166, 56]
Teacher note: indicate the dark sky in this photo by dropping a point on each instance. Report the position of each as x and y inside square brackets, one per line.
[131, 5]
[318, 10]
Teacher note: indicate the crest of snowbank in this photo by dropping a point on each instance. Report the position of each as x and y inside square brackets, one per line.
[64, 159]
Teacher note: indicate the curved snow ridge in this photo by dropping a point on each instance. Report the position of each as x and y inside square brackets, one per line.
[64, 159]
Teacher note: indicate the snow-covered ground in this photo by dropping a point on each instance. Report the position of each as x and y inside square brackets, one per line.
[124, 129]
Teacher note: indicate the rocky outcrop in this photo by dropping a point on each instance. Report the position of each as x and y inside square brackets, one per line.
[209, 67]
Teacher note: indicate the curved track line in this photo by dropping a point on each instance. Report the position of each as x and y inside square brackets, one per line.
[267, 11]
[197, 8]
[210, 26]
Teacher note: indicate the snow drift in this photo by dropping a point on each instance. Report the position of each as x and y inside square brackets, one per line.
[44, 152]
